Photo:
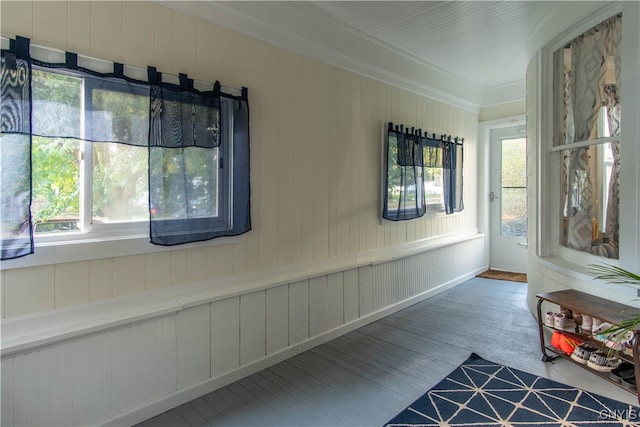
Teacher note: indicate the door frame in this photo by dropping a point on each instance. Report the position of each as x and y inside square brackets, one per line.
[484, 187]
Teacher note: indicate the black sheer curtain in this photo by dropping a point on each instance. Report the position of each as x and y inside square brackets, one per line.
[198, 163]
[16, 229]
[404, 196]
[452, 168]
[408, 153]
[198, 143]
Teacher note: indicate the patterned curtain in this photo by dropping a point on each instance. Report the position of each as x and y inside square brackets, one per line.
[589, 55]
[16, 229]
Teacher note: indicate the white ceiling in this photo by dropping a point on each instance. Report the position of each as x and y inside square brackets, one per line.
[470, 53]
[480, 41]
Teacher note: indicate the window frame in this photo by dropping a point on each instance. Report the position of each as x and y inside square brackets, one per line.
[549, 223]
[116, 239]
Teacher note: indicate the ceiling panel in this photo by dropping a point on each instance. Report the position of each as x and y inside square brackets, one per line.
[463, 37]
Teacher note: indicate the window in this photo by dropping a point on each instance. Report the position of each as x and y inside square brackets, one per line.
[587, 130]
[91, 155]
[79, 183]
[422, 174]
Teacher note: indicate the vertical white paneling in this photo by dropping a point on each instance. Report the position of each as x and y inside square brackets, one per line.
[365, 290]
[163, 40]
[61, 372]
[335, 300]
[106, 30]
[29, 290]
[137, 33]
[158, 270]
[17, 18]
[225, 335]
[178, 267]
[184, 43]
[351, 292]
[50, 23]
[317, 305]
[72, 283]
[193, 337]
[252, 327]
[7, 389]
[307, 176]
[268, 180]
[220, 261]
[277, 314]
[285, 149]
[356, 147]
[298, 312]
[208, 51]
[297, 159]
[100, 279]
[129, 275]
[197, 264]
[78, 26]
[321, 159]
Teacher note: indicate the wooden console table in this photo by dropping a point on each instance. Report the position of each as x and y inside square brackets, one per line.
[582, 303]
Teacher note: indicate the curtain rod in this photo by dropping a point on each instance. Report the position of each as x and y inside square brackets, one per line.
[391, 127]
[49, 54]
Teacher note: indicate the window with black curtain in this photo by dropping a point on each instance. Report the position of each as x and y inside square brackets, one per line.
[422, 174]
[193, 147]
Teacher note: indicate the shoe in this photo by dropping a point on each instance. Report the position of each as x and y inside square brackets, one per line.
[587, 323]
[556, 339]
[559, 321]
[599, 361]
[623, 371]
[582, 353]
[630, 383]
[549, 319]
[569, 344]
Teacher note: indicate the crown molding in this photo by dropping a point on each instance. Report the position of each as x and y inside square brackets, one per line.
[305, 30]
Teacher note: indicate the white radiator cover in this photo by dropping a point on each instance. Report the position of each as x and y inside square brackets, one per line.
[124, 360]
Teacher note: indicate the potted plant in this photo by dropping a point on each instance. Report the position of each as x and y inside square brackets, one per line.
[617, 275]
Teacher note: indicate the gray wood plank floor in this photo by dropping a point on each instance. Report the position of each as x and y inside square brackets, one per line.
[367, 376]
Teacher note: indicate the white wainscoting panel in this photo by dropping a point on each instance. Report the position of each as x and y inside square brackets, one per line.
[298, 312]
[126, 373]
[193, 328]
[252, 327]
[277, 307]
[225, 336]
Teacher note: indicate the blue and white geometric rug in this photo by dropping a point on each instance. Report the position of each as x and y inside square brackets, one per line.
[482, 393]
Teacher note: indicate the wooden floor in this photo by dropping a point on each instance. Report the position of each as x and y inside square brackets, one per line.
[367, 376]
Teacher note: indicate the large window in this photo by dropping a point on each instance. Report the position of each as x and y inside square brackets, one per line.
[89, 155]
[587, 116]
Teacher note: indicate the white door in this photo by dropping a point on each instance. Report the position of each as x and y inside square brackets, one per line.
[508, 199]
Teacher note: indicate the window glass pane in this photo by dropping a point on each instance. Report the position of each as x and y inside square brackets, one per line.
[514, 215]
[56, 184]
[514, 193]
[433, 189]
[120, 187]
[194, 169]
[119, 115]
[589, 205]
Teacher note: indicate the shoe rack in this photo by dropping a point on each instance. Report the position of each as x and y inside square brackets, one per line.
[575, 302]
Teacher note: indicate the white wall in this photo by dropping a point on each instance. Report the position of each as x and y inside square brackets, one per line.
[80, 328]
[315, 152]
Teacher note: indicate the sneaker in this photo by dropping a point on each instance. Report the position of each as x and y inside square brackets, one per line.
[582, 353]
[559, 321]
[623, 371]
[600, 361]
[549, 319]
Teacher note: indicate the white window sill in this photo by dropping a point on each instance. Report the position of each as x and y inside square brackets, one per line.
[83, 249]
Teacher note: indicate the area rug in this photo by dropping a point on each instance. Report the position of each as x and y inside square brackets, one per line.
[483, 393]
[504, 275]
